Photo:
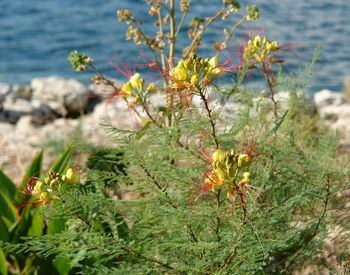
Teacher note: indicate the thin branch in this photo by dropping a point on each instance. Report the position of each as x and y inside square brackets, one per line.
[271, 88]
[257, 237]
[172, 39]
[160, 18]
[182, 21]
[147, 40]
[198, 35]
[212, 123]
[233, 29]
[154, 180]
[325, 204]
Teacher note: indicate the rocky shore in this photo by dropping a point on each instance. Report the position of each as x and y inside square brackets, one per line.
[51, 108]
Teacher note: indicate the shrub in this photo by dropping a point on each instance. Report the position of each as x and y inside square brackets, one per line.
[248, 193]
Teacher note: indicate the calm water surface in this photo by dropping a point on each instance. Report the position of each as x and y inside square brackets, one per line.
[36, 36]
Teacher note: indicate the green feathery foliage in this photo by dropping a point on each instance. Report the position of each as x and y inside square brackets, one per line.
[215, 181]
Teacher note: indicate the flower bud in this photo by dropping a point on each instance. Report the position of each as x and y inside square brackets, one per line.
[53, 182]
[274, 46]
[142, 82]
[72, 177]
[257, 41]
[45, 198]
[151, 87]
[216, 72]
[245, 178]
[244, 160]
[37, 189]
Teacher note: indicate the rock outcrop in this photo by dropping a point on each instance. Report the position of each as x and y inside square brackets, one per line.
[335, 111]
[65, 97]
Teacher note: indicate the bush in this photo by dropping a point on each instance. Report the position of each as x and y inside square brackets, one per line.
[248, 193]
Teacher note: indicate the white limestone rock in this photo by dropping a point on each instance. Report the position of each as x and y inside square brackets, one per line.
[105, 90]
[342, 125]
[346, 89]
[14, 108]
[24, 92]
[4, 90]
[17, 104]
[326, 97]
[25, 122]
[67, 97]
[334, 112]
[41, 113]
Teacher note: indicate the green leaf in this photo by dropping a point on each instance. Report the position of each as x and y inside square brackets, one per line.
[55, 225]
[62, 265]
[34, 170]
[4, 234]
[61, 165]
[7, 187]
[140, 133]
[3, 266]
[7, 209]
[37, 224]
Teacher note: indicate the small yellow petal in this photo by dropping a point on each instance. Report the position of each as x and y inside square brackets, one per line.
[45, 197]
[135, 80]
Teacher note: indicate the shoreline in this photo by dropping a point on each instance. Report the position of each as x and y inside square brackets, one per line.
[54, 109]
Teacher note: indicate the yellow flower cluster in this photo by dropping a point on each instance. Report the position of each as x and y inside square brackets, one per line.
[258, 49]
[49, 188]
[135, 87]
[230, 169]
[194, 72]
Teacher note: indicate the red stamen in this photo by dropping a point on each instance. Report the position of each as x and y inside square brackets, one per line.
[126, 72]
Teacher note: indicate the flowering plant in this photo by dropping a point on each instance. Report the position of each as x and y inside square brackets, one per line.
[132, 211]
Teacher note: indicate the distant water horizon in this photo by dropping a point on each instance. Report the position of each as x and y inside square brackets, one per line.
[37, 36]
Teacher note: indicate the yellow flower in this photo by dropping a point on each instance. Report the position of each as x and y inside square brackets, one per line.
[126, 90]
[72, 177]
[221, 176]
[37, 189]
[218, 158]
[216, 72]
[244, 160]
[151, 87]
[213, 62]
[135, 80]
[194, 79]
[257, 41]
[53, 182]
[179, 73]
[274, 46]
[245, 178]
[45, 198]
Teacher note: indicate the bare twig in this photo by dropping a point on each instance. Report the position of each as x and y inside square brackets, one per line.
[211, 119]
[198, 35]
[271, 88]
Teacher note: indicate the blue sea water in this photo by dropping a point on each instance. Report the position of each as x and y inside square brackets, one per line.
[36, 36]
